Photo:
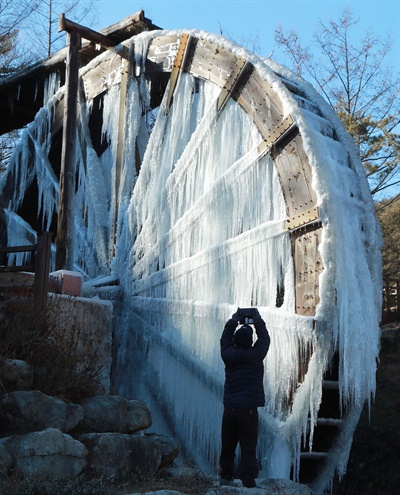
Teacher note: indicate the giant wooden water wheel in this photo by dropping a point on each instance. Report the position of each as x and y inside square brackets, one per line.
[229, 182]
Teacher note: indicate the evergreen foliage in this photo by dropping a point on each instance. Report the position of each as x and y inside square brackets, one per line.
[388, 213]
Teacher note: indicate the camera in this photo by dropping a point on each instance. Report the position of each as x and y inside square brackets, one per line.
[247, 315]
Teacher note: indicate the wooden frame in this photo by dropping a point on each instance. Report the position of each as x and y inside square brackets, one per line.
[41, 269]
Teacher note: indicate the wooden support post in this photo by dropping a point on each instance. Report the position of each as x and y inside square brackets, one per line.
[64, 253]
[179, 66]
[123, 93]
[42, 269]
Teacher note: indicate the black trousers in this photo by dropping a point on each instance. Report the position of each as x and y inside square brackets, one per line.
[239, 425]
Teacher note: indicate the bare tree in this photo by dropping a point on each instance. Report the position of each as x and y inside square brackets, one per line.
[13, 14]
[12, 57]
[359, 84]
[42, 26]
[28, 33]
[12, 18]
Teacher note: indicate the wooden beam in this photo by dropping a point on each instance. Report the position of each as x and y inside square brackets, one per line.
[42, 270]
[232, 82]
[308, 267]
[17, 249]
[123, 93]
[272, 137]
[306, 217]
[65, 24]
[130, 25]
[20, 268]
[11, 280]
[64, 252]
[178, 67]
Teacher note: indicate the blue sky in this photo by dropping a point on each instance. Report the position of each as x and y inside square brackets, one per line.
[255, 20]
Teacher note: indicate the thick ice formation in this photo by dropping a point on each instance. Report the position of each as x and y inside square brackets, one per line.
[201, 231]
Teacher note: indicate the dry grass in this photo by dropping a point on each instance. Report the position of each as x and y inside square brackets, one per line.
[62, 366]
[196, 485]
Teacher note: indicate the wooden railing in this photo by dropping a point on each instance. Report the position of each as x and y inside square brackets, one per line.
[391, 300]
[40, 268]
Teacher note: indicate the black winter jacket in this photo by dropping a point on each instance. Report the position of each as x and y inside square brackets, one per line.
[244, 369]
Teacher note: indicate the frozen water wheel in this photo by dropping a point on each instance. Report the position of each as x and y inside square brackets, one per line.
[209, 178]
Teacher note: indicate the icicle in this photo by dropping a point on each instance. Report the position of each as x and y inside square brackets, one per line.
[51, 86]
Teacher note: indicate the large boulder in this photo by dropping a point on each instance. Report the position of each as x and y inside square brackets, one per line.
[5, 460]
[264, 487]
[114, 414]
[46, 454]
[169, 448]
[121, 456]
[23, 412]
[15, 375]
[180, 472]
[284, 487]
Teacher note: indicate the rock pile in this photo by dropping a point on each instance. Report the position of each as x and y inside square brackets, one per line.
[44, 437]
[47, 437]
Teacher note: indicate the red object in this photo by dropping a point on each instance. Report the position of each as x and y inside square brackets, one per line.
[68, 282]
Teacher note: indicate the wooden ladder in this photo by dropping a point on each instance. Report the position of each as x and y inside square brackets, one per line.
[326, 430]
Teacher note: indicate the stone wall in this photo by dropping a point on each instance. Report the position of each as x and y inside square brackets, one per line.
[85, 325]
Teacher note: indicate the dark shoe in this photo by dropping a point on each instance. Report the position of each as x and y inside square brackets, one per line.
[249, 483]
[225, 481]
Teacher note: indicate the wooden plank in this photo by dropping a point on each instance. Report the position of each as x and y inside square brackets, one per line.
[259, 109]
[295, 175]
[162, 44]
[262, 98]
[103, 76]
[268, 90]
[21, 268]
[276, 134]
[231, 83]
[161, 54]
[304, 218]
[211, 75]
[211, 62]
[308, 267]
[211, 55]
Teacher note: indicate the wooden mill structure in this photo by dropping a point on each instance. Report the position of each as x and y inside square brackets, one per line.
[256, 86]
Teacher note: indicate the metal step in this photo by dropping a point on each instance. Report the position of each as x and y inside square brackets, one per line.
[317, 456]
[329, 422]
[331, 384]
